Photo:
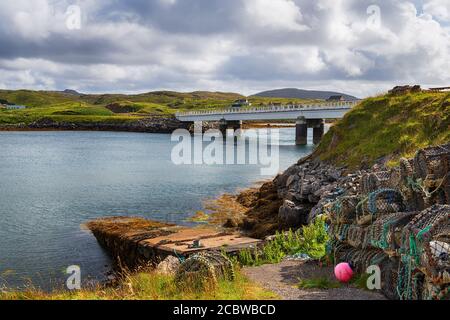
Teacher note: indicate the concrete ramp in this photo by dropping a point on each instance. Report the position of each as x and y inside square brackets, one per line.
[133, 242]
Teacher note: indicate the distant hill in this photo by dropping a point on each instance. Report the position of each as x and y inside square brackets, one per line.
[292, 93]
[72, 92]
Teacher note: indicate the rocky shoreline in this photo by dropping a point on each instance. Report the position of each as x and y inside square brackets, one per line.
[397, 218]
[164, 125]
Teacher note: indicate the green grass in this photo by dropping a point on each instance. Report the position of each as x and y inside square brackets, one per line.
[88, 108]
[388, 127]
[310, 240]
[318, 283]
[360, 281]
[152, 286]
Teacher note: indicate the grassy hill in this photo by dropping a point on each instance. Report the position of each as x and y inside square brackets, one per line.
[387, 128]
[76, 107]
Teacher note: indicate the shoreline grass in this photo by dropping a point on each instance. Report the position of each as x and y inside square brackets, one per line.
[151, 286]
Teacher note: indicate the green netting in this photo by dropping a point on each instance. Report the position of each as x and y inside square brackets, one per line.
[378, 204]
[386, 232]
[401, 223]
[344, 210]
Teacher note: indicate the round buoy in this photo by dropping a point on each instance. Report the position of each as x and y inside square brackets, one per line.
[343, 272]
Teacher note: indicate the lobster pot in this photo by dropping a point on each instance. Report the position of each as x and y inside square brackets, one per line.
[343, 252]
[333, 231]
[427, 243]
[386, 233]
[356, 236]
[371, 182]
[389, 277]
[446, 188]
[406, 169]
[378, 204]
[339, 232]
[431, 291]
[205, 269]
[432, 161]
[362, 259]
[344, 210]
[410, 283]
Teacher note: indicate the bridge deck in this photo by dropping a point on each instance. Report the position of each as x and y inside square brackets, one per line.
[333, 110]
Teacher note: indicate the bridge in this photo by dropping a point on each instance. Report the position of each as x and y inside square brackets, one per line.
[307, 116]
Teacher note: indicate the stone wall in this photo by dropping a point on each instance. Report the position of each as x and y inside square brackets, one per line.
[147, 125]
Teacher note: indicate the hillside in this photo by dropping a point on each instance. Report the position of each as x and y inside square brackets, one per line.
[74, 107]
[387, 128]
[292, 93]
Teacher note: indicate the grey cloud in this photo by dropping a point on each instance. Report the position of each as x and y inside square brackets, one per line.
[142, 45]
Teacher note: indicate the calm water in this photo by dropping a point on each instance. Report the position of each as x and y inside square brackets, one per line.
[52, 182]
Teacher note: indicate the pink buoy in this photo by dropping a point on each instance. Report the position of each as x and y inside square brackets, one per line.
[343, 272]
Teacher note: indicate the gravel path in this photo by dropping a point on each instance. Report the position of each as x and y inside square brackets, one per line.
[283, 279]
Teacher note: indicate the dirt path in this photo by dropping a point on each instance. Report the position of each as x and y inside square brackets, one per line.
[283, 279]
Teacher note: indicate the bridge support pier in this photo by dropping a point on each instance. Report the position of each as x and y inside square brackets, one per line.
[224, 125]
[301, 132]
[318, 126]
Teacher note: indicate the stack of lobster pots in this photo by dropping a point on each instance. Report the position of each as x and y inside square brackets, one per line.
[399, 221]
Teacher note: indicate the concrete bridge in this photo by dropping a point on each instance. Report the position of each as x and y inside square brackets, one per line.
[307, 116]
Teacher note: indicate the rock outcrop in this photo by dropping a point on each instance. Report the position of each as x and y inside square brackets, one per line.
[145, 125]
[400, 90]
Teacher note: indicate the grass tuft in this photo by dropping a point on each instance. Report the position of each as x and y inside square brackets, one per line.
[318, 283]
[310, 240]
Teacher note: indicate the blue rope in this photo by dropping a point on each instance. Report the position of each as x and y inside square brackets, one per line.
[181, 258]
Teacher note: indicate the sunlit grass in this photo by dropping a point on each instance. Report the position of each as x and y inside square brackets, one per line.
[322, 283]
[388, 126]
[152, 286]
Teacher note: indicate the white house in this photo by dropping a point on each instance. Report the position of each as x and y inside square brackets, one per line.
[15, 107]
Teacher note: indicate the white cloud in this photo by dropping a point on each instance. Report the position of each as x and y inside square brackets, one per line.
[282, 15]
[440, 9]
[234, 45]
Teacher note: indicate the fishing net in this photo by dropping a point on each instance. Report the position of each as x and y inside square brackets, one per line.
[431, 291]
[406, 169]
[426, 250]
[389, 277]
[343, 252]
[339, 232]
[409, 283]
[432, 161]
[344, 210]
[379, 203]
[371, 182]
[356, 236]
[203, 270]
[400, 223]
[386, 232]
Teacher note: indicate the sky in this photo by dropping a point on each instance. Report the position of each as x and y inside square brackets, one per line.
[131, 46]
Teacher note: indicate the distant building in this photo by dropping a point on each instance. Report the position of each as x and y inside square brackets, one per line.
[15, 107]
[336, 98]
[241, 103]
[442, 89]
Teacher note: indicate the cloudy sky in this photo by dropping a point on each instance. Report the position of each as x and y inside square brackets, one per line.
[356, 46]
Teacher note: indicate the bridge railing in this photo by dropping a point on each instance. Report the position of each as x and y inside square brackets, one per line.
[273, 108]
